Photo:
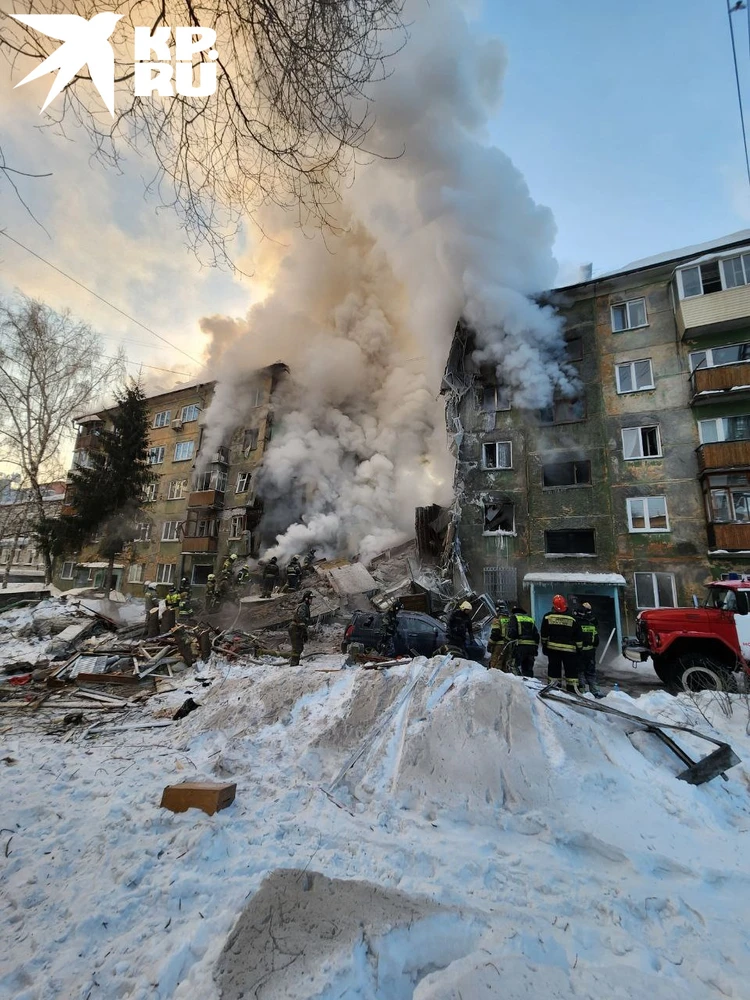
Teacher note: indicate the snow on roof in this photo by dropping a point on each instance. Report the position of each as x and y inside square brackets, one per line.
[663, 258]
[612, 579]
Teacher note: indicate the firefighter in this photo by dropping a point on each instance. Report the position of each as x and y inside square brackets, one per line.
[185, 587]
[460, 629]
[590, 628]
[499, 637]
[390, 627]
[184, 607]
[562, 641]
[307, 566]
[293, 574]
[243, 576]
[298, 628]
[172, 600]
[228, 568]
[270, 576]
[212, 594]
[523, 632]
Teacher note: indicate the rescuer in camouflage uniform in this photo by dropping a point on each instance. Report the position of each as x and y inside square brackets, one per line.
[298, 628]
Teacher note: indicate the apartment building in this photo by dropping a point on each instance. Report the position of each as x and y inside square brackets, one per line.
[202, 506]
[20, 559]
[633, 494]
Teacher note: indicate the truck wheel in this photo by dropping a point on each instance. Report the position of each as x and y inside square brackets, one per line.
[668, 672]
[703, 673]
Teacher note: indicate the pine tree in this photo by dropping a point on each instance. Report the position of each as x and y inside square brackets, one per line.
[108, 496]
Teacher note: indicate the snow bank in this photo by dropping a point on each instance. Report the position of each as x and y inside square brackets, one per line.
[434, 831]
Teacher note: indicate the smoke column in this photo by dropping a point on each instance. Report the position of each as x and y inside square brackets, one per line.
[443, 229]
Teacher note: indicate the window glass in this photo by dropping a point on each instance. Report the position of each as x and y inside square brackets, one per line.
[631, 442]
[733, 272]
[741, 504]
[637, 514]
[720, 505]
[183, 451]
[189, 412]
[737, 428]
[698, 359]
[657, 512]
[691, 282]
[643, 377]
[625, 378]
[709, 431]
[637, 311]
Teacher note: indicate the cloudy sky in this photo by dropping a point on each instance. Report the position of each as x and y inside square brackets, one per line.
[623, 120]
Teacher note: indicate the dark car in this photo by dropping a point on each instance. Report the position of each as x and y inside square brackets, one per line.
[417, 634]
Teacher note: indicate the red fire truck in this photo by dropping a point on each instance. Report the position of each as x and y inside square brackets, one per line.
[702, 647]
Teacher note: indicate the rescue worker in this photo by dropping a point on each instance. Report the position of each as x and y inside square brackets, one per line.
[523, 632]
[499, 637]
[298, 628]
[152, 610]
[184, 607]
[172, 600]
[309, 560]
[460, 629]
[185, 587]
[270, 576]
[212, 595]
[228, 568]
[243, 576]
[390, 627]
[293, 574]
[590, 628]
[562, 641]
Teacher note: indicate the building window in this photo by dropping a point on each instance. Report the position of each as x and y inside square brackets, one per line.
[177, 489]
[156, 455]
[557, 474]
[142, 531]
[635, 376]
[570, 543]
[183, 451]
[497, 455]
[629, 315]
[162, 419]
[647, 514]
[200, 574]
[205, 528]
[254, 396]
[499, 519]
[190, 412]
[68, 571]
[701, 279]
[724, 429]
[243, 482]
[135, 573]
[564, 411]
[170, 531]
[237, 526]
[641, 442]
[165, 573]
[715, 357]
[501, 583]
[250, 440]
[655, 590]
[214, 479]
[574, 349]
[82, 459]
[150, 493]
[495, 398]
[729, 506]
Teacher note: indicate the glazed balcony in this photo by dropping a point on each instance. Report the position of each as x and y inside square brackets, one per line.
[724, 455]
[709, 384]
[732, 537]
[716, 312]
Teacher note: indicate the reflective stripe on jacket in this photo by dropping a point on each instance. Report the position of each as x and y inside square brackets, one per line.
[498, 630]
[561, 633]
[523, 629]
[590, 636]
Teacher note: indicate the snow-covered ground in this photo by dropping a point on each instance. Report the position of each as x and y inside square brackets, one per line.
[482, 843]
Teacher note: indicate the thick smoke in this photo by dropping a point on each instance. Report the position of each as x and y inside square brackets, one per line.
[443, 228]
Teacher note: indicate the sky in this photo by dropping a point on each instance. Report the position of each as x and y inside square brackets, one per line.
[622, 118]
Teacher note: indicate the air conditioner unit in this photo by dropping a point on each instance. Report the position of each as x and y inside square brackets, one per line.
[177, 425]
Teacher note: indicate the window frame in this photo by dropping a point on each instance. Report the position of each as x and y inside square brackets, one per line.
[709, 352]
[720, 261]
[166, 533]
[569, 555]
[184, 490]
[248, 480]
[631, 365]
[152, 488]
[254, 434]
[646, 515]
[642, 457]
[497, 468]
[560, 402]
[655, 590]
[719, 423]
[627, 304]
[159, 451]
[162, 418]
[169, 575]
[136, 566]
[188, 409]
[144, 529]
[240, 519]
[496, 390]
[181, 445]
[491, 533]
[568, 486]
[72, 575]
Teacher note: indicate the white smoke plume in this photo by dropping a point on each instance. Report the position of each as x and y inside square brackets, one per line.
[443, 229]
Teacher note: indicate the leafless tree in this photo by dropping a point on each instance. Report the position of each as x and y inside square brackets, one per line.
[51, 370]
[291, 104]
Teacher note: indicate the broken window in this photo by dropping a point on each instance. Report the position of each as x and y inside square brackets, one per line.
[497, 455]
[641, 442]
[570, 543]
[249, 440]
[499, 518]
[564, 411]
[495, 397]
[556, 474]
[200, 574]
[574, 349]
[237, 526]
[703, 279]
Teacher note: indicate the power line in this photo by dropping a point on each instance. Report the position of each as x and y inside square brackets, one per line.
[142, 364]
[101, 297]
[730, 11]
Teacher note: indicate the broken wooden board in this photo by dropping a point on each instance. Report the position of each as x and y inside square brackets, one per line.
[206, 795]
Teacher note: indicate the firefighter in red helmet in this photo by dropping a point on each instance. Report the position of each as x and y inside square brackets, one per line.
[562, 642]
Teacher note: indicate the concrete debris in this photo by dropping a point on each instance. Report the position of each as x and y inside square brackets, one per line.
[353, 578]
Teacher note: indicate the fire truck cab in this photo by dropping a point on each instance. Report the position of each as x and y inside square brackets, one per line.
[702, 647]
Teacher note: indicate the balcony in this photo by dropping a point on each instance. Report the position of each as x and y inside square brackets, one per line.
[206, 498]
[715, 312]
[205, 544]
[710, 383]
[724, 455]
[732, 537]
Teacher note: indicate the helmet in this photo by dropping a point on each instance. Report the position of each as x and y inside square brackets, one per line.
[559, 603]
[307, 596]
[586, 606]
[274, 559]
[183, 581]
[233, 556]
[211, 576]
[465, 606]
[150, 586]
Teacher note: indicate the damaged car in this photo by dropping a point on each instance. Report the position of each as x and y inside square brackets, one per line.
[417, 634]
